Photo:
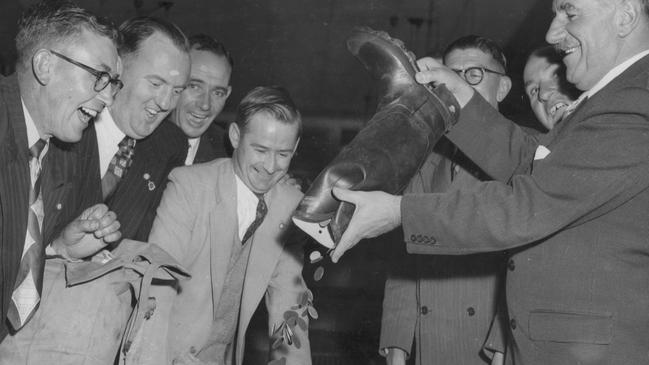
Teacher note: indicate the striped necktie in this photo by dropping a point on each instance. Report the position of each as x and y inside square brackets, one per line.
[29, 281]
[118, 166]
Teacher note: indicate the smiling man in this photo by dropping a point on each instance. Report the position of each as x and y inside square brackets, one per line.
[127, 153]
[546, 87]
[203, 99]
[67, 72]
[228, 222]
[575, 220]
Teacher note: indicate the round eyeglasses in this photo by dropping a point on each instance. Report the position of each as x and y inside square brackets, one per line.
[103, 77]
[474, 75]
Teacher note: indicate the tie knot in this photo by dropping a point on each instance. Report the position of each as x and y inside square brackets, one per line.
[37, 148]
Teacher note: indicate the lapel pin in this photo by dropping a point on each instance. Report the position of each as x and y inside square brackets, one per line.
[150, 184]
[59, 206]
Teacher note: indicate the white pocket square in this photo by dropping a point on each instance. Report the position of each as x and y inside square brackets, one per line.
[541, 152]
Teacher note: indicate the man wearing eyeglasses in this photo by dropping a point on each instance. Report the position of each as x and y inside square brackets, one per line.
[129, 151]
[446, 305]
[67, 72]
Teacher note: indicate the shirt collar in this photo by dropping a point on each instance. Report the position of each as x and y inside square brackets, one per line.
[32, 132]
[613, 73]
[108, 138]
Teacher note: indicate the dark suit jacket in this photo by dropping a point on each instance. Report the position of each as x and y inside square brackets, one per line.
[445, 303]
[57, 187]
[139, 192]
[214, 144]
[577, 286]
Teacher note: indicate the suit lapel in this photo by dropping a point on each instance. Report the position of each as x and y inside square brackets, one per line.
[265, 252]
[223, 219]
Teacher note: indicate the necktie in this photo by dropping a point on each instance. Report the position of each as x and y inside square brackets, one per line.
[118, 166]
[259, 217]
[29, 281]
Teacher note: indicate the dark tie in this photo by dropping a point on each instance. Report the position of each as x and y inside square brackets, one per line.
[259, 217]
[29, 281]
[118, 166]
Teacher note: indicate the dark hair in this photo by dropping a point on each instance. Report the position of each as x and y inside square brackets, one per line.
[274, 100]
[204, 42]
[484, 44]
[550, 53]
[134, 31]
[56, 21]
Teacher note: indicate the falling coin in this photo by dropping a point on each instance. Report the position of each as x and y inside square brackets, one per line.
[319, 272]
[315, 256]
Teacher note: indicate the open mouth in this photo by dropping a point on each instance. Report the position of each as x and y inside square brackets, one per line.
[556, 107]
[151, 113]
[198, 117]
[86, 114]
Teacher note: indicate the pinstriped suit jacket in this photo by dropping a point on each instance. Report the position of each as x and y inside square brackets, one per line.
[57, 188]
[139, 192]
[445, 304]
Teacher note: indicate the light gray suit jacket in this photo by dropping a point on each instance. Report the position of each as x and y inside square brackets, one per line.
[197, 224]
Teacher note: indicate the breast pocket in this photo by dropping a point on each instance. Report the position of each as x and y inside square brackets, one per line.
[571, 327]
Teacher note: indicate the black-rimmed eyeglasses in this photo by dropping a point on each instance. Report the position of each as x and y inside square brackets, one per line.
[103, 77]
[474, 75]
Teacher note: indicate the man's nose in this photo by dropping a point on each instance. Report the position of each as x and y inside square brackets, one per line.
[270, 163]
[556, 32]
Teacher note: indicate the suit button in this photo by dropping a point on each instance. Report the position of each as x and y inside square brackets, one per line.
[512, 323]
[511, 265]
[424, 310]
[471, 311]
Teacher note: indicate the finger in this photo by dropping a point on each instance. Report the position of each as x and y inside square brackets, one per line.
[107, 219]
[86, 225]
[104, 231]
[427, 63]
[346, 195]
[95, 212]
[112, 237]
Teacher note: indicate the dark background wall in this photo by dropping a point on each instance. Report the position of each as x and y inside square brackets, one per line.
[300, 44]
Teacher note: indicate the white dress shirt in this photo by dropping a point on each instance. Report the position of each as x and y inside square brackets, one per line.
[247, 203]
[193, 148]
[108, 138]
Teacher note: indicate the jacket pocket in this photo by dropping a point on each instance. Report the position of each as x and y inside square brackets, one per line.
[571, 327]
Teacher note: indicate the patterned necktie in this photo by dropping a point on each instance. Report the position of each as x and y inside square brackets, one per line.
[262, 209]
[118, 166]
[29, 281]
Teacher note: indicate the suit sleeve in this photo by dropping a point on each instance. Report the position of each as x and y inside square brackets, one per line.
[597, 164]
[284, 291]
[174, 219]
[497, 145]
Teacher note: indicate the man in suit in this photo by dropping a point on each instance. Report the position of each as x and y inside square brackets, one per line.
[66, 73]
[203, 100]
[576, 284]
[129, 150]
[546, 87]
[447, 304]
[209, 221]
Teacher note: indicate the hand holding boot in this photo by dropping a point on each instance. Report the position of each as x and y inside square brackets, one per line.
[436, 73]
[376, 213]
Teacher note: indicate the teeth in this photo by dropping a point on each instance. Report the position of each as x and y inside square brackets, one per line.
[198, 116]
[557, 107]
[570, 50]
[90, 112]
[151, 111]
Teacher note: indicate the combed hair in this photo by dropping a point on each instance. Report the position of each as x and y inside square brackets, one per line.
[550, 53]
[484, 44]
[204, 42]
[134, 31]
[274, 100]
[47, 23]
